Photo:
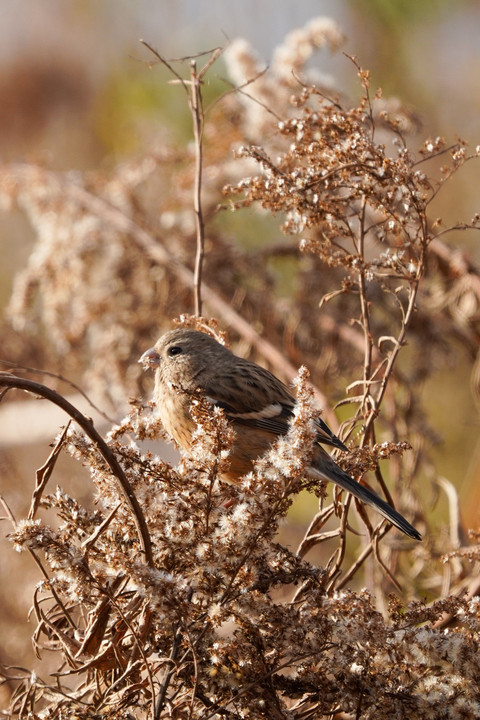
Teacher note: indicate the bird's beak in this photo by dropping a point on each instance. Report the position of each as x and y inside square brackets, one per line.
[150, 359]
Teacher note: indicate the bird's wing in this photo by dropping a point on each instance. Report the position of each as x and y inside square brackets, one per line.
[256, 398]
[274, 418]
[327, 437]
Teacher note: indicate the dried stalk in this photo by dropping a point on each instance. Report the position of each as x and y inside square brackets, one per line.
[11, 381]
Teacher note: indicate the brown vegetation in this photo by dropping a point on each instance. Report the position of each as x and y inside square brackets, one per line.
[173, 597]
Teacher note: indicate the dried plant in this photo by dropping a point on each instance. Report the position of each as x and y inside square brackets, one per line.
[174, 597]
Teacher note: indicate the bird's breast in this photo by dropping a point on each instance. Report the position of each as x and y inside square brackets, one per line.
[174, 411]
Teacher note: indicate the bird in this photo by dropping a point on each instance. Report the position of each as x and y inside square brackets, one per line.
[259, 406]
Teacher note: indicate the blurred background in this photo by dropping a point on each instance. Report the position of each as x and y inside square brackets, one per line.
[77, 94]
[75, 91]
[72, 80]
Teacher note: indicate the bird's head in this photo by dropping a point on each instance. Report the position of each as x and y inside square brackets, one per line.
[181, 356]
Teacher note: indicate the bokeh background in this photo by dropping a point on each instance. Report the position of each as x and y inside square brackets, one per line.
[77, 94]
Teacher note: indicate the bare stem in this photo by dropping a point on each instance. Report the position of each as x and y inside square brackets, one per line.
[193, 88]
[400, 341]
[11, 381]
[196, 106]
[368, 343]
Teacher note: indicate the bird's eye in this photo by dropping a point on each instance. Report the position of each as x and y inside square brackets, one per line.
[174, 350]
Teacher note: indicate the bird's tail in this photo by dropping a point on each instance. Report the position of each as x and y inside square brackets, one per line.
[326, 469]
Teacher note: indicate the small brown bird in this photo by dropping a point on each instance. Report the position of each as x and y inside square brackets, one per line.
[258, 405]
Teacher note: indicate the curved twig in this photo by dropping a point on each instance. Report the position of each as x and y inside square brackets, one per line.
[12, 381]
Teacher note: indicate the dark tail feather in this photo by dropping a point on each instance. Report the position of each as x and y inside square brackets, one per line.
[329, 470]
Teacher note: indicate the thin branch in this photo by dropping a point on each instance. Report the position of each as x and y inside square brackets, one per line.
[167, 64]
[365, 311]
[172, 661]
[196, 106]
[195, 102]
[312, 535]
[11, 381]
[58, 376]
[396, 349]
[240, 90]
[193, 88]
[362, 557]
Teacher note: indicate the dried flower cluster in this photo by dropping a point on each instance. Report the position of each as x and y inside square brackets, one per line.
[174, 597]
